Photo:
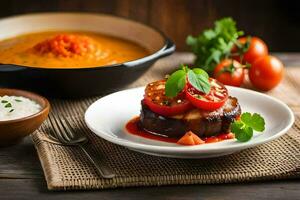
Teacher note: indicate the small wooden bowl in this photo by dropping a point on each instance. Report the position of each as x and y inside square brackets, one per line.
[13, 131]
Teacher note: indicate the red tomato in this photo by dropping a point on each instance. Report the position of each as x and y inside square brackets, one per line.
[66, 45]
[256, 49]
[213, 100]
[266, 72]
[229, 72]
[190, 138]
[159, 103]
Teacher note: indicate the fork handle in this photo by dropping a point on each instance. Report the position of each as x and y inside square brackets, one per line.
[104, 170]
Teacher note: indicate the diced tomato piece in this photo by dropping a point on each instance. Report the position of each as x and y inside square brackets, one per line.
[65, 45]
[190, 139]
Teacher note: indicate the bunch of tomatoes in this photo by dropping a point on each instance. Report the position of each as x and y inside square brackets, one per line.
[264, 71]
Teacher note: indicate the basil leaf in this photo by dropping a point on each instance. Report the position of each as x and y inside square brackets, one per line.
[181, 83]
[175, 83]
[200, 71]
[199, 81]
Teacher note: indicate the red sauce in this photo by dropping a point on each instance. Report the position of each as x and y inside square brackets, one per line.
[133, 128]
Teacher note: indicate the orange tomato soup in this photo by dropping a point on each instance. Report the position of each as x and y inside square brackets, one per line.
[58, 49]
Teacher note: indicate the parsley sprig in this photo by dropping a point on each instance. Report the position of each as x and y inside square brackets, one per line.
[215, 44]
[197, 77]
[244, 127]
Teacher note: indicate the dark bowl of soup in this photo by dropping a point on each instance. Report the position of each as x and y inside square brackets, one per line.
[73, 55]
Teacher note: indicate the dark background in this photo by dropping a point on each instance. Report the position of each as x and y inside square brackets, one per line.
[276, 21]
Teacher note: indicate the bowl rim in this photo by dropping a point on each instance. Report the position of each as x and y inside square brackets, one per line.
[44, 109]
[157, 54]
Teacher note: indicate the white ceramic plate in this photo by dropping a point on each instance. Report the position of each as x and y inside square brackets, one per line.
[107, 117]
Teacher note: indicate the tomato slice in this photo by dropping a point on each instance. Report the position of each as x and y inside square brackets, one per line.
[215, 99]
[159, 103]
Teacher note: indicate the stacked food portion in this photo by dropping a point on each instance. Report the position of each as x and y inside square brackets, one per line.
[191, 108]
[173, 117]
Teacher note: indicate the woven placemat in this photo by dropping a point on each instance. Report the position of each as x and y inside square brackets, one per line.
[68, 168]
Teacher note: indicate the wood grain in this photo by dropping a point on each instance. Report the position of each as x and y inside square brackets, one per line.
[36, 189]
[276, 21]
[21, 176]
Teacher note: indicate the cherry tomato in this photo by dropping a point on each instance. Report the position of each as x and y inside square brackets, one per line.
[213, 100]
[256, 50]
[266, 72]
[159, 103]
[229, 72]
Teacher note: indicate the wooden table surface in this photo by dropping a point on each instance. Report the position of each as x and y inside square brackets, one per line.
[21, 175]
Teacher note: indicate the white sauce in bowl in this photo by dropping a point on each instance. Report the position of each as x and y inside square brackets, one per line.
[16, 107]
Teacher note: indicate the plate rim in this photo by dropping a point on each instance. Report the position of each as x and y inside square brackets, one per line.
[190, 149]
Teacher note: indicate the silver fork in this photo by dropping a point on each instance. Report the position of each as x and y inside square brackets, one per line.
[65, 134]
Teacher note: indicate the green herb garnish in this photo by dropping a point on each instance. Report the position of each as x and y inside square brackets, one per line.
[18, 100]
[214, 44]
[199, 81]
[8, 105]
[244, 127]
[176, 82]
